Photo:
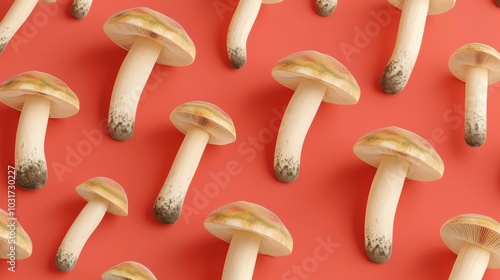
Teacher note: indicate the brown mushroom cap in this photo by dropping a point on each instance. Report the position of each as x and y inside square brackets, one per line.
[23, 244]
[342, 87]
[207, 116]
[425, 163]
[475, 55]
[247, 216]
[474, 229]
[107, 189]
[64, 102]
[435, 6]
[123, 27]
[128, 270]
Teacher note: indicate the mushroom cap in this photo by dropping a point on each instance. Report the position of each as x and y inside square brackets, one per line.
[123, 27]
[342, 88]
[476, 229]
[475, 55]
[247, 216]
[128, 270]
[107, 189]
[425, 163]
[435, 6]
[207, 116]
[64, 102]
[24, 247]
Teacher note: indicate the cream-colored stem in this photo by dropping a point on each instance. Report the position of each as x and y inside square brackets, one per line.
[476, 93]
[168, 204]
[17, 14]
[129, 84]
[239, 28]
[325, 7]
[80, 8]
[471, 263]
[79, 232]
[297, 120]
[408, 42]
[31, 166]
[383, 199]
[241, 256]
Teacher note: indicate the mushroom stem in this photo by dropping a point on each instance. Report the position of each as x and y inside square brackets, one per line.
[381, 207]
[130, 81]
[241, 256]
[476, 92]
[13, 19]
[80, 8]
[239, 28]
[297, 119]
[325, 7]
[471, 263]
[409, 39]
[79, 232]
[31, 165]
[168, 204]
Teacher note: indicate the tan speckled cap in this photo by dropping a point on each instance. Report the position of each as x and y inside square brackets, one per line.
[107, 189]
[23, 244]
[475, 55]
[128, 270]
[435, 6]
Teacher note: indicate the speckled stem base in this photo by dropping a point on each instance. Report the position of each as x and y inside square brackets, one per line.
[325, 7]
[13, 19]
[80, 8]
[476, 94]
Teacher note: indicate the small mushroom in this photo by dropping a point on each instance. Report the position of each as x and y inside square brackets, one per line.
[239, 28]
[128, 270]
[409, 39]
[397, 154]
[15, 17]
[150, 37]
[250, 229]
[315, 77]
[475, 239]
[477, 65]
[39, 96]
[13, 236]
[80, 8]
[102, 195]
[203, 123]
[325, 7]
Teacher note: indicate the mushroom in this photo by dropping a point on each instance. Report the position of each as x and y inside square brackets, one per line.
[102, 195]
[39, 96]
[15, 17]
[250, 229]
[128, 270]
[409, 39]
[80, 8]
[475, 239]
[397, 154]
[150, 37]
[477, 65]
[315, 77]
[13, 236]
[325, 7]
[239, 28]
[202, 123]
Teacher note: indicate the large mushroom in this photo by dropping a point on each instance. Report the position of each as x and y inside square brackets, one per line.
[150, 37]
[475, 238]
[13, 236]
[39, 96]
[409, 39]
[398, 154]
[478, 65]
[128, 270]
[251, 229]
[202, 123]
[315, 77]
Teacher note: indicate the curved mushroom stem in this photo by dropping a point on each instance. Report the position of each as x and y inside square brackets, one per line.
[476, 93]
[239, 28]
[79, 232]
[325, 7]
[129, 84]
[168, 204]
[409, 39]
[241, 256]
[13, 19]
[80, 8]
[297, 119]
[381, 207]
[31, 165]
[471, 263]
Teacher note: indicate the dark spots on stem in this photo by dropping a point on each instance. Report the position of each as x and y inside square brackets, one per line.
[394, 78]
[168, 210]
[325, 7]
[287, 170]
[378, 249]
[65, 261]
[80, 10]
[120, 127]
[237, 57]
[31, 174]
